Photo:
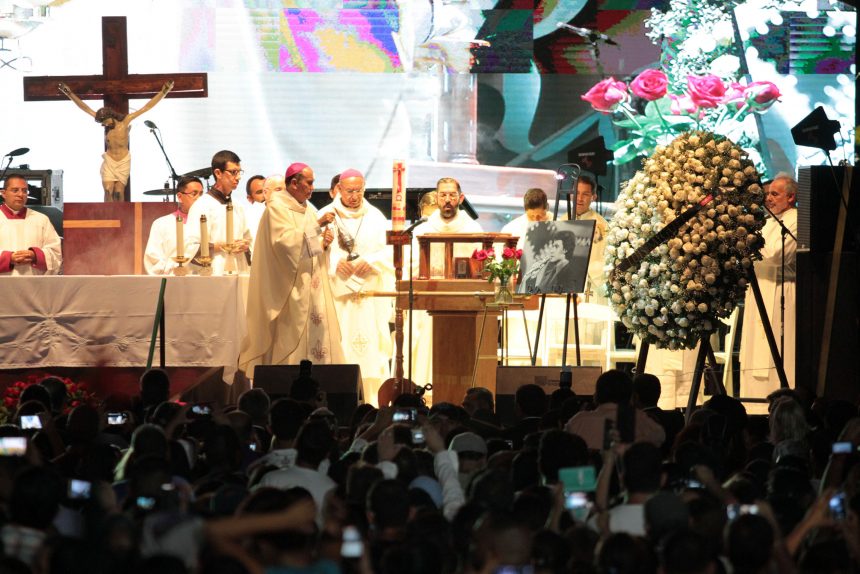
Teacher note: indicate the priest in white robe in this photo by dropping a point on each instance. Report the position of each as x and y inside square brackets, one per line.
[758, 372]
[227, 170]
[255, 193]
[364, 265]
[447, 219]
[29, 244]
[586, 191]
[161, 246]
[291, 311]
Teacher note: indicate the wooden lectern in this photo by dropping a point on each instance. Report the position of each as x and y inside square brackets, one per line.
[108, 238]
[457, 307]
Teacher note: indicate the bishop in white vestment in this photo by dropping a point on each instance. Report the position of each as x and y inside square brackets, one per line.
[29, 244]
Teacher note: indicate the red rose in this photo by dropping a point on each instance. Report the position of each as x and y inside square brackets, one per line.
[706, 91]
[508, 253]
[519, 253]
[605, 95]
[650, 85]
[479, 255]
[9, 402]
[20, 385]
[75, 403]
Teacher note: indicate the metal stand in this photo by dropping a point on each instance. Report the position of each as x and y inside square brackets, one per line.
[573, 171]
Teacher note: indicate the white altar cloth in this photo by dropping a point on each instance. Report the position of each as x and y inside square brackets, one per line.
[78, 321]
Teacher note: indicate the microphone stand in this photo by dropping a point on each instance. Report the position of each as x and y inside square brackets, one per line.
[173, 176]
[5, 169]
[783, 232]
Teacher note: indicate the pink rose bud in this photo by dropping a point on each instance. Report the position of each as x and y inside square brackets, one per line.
[682, 105]
[606, 95]
[762, 95]
[650, 85]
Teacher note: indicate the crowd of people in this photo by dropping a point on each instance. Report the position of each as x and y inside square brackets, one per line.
[602, 484]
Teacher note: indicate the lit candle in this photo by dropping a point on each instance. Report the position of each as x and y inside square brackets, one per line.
[204, 237]
[229, 235]
[398, 195]
[180, 237]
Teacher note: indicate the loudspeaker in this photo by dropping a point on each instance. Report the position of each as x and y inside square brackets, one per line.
[509, 379]
[818, 207]
[843, 376]
[341, 383]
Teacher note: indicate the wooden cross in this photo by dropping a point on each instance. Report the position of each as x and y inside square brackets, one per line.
[115, 85]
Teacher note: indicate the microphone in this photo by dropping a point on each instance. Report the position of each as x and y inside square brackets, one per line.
[17, 152]
[588, 34]
[415, 224]
[150, 125]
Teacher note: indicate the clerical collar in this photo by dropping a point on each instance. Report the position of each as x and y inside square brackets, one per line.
[220, 197]
[21, 214]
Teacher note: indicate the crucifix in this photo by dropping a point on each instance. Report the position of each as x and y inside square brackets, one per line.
[116, 87]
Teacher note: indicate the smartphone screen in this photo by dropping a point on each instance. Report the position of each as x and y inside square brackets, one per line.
[31, 422]
[405, 415]
[117, 418]
[838, 447]
[79, 489]
[417, 436]
[13, 446]
[351, 546]
[837, 506]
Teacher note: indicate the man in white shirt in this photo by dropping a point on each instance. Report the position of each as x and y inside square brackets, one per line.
[29, 244]
[586, 191]
[536, 209]
[227, 170]
[364, 265]
[161, 246]
[758, 372]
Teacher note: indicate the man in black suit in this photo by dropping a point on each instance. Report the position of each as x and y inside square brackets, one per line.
[646, 393]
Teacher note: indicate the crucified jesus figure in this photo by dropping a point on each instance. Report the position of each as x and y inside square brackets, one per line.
[117, 160]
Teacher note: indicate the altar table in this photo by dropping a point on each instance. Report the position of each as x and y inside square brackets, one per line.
[78, 321]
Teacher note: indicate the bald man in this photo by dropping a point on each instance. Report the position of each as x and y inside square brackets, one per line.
[363, 320]
[291, 312]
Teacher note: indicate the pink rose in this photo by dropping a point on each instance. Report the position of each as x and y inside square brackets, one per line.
[479, 255]
[682, 105]
[735, 94]
[762, 95]
[650, 85]
[706, 91]
[605, 95]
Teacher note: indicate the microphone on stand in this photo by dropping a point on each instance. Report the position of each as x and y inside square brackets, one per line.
[588, 34]
[150, 125]
[17, 152]
[415, 224]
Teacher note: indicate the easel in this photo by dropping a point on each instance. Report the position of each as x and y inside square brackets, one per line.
[573, 171]
[706, 353]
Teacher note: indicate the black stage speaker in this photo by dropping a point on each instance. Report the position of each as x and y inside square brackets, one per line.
[341, 383]
[818, 208]
[509, 379]
[843, 376]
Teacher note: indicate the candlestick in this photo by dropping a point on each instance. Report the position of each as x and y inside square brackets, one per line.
[398, 195]
[229, 234]
[180, 236]
[204, 237]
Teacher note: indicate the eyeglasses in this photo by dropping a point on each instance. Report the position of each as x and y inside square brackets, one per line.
[234, 172]
[190, 193]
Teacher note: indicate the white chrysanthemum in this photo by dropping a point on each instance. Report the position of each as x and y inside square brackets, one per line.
[674, 296]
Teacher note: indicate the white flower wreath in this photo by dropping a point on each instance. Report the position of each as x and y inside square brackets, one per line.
[675, 295]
